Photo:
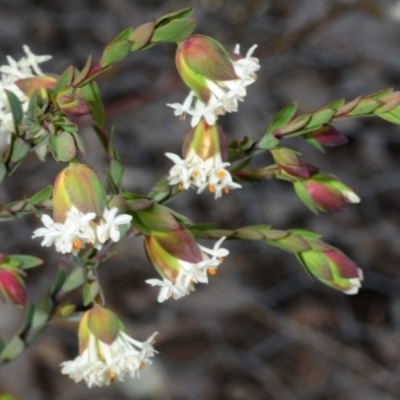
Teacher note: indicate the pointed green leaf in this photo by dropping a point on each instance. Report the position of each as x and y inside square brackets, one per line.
[62, 146]
[44, 308]
[174, 31]
[26, 261]
[90, 291]
[16, 107]
[20, 149]
[303, 195]
[115, 52]
[75, 279]
[13, 349]
[141, 35]
[41, 195]
[282, 118]
[165, 19]
[320, 117]
[65, 80]
[267, 142]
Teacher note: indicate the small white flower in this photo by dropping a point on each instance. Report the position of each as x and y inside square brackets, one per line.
[191, 273]
[225, 95]
[194, 172]
[80, 229]
[101, 363]
[26, 67]
[109, 226]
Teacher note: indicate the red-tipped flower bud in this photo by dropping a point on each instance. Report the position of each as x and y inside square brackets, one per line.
[333, 268]
[290, 162]
[12, 287]
[325, 193]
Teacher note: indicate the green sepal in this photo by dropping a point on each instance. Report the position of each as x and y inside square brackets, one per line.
[157, 218]
[304, 196]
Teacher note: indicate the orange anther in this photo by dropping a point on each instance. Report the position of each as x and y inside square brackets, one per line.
[77, 244]
[226, 190]
[112, 375]
[212, 271]
[195, 173]
[220, 174]
[211, 188]
[180, 186]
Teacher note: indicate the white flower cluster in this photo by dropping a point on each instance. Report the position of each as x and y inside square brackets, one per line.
[80, 229]
[225, 95]
[194, 172]
[191, 273]
[100, 363]
[26, 67]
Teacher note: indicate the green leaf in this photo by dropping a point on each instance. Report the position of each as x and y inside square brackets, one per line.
[59, 282]
[335, 105]
[115, 52]
[13, 349]
[390, 117]
[116, 172]
[79, 143]
[62, 146]
[365, 106]
[65, 80]
[26, 261]
[141, 35]
[282, 118]
[16, 107]
[125, 34]
[91, 95]
[19, 150]
[27, 322]
[165, 19]
[320, 117]
[268, 141]
[75, 279]
[41, 195]
[157, 218]
[174, 31]
[90, 291]
[3, 171]
[44, 307]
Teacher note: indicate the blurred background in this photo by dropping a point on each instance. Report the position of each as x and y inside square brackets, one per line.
[262, 329]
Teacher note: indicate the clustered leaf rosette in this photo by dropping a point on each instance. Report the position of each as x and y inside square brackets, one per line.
[204, 164]
[181, 261]
[333, 268]
[80, 215]
[24, 68]
[106, 352]
[323, 192]
[216, 78]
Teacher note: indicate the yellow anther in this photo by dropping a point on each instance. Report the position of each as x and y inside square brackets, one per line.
[77, 244]
[212, 271]
[180, 186]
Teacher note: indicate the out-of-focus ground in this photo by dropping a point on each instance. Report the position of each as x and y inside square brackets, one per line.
[262, 329]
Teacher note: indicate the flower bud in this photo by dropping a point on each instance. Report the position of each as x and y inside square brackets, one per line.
[325, 193]
[12, 287]
[200, 59]
[329, 136]
[72, 103]
[333, 268]
[290, 162]
[77, 186]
